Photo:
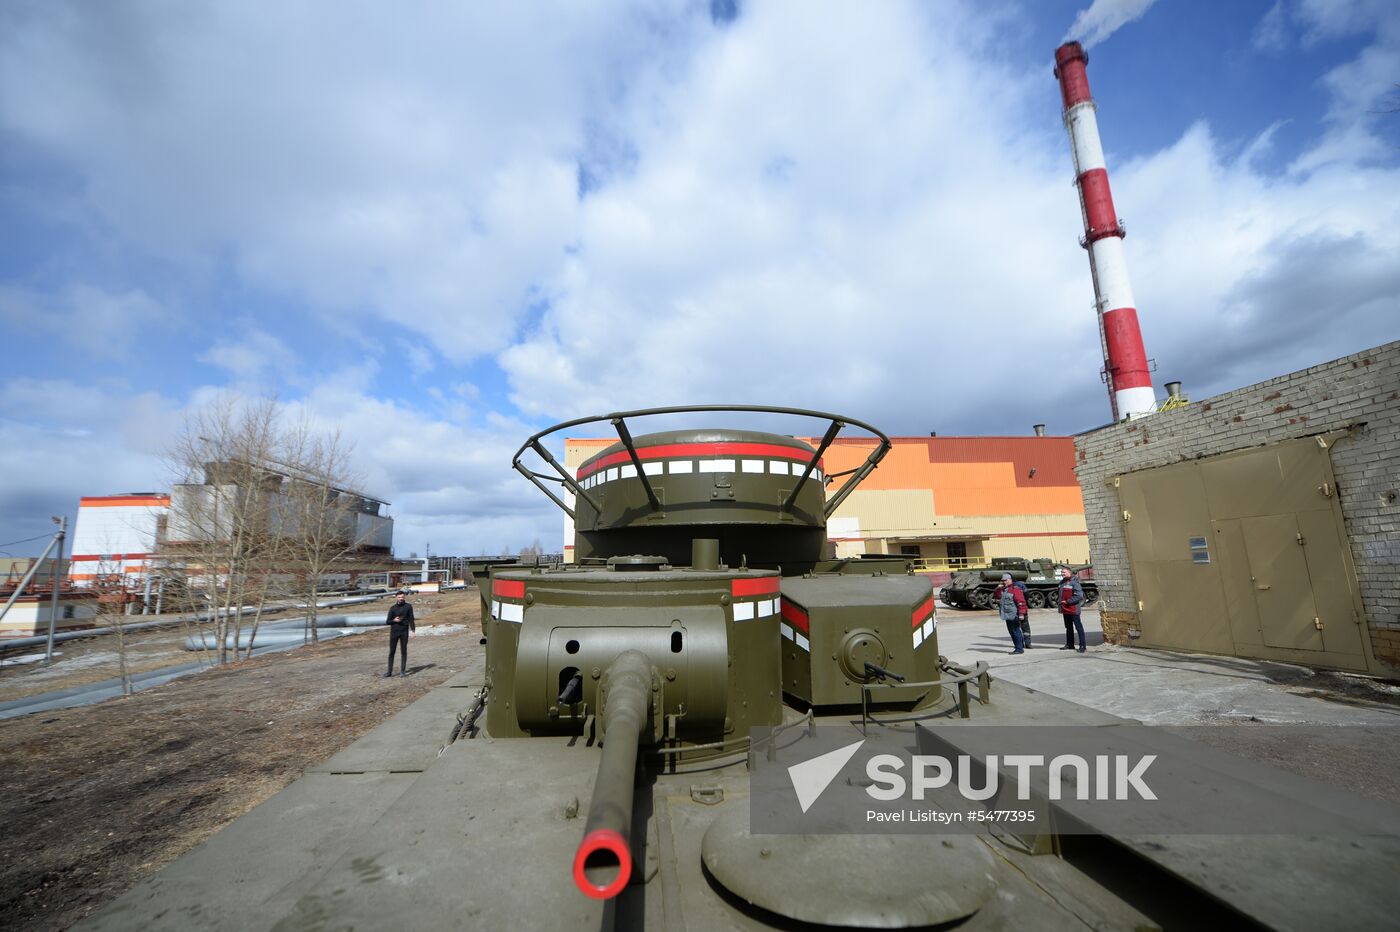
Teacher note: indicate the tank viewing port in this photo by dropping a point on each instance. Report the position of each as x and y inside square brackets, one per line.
[858, 648]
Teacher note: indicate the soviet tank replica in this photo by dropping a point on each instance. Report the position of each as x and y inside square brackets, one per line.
[974, 588]
[600, 767]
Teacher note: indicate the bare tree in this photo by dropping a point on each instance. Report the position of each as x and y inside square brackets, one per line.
[113, 596]
[221, 531]
[263, 512]
[323, 522]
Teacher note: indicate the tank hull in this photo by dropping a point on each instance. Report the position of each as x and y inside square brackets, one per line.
[399, 831]
[972, 589]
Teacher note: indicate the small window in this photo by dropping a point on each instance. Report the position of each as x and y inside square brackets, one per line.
[1200, 553]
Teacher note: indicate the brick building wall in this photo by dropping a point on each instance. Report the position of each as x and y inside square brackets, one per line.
[1361, 391]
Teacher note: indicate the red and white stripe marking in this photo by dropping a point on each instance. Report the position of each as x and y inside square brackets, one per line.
[794, 625]
[755, 598]
[502, 610]
[923, 622]
[688, 458]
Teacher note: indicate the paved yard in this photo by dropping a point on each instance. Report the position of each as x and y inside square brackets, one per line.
[1161, 687]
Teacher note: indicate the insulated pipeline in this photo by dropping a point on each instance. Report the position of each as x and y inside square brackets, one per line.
[603, 862]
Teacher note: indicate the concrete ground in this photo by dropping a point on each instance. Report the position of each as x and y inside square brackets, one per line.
[1160, 687]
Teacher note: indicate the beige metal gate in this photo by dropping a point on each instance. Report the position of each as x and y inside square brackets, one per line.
[1246, 553]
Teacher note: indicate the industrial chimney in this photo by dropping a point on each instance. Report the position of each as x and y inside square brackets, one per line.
[1125, 360]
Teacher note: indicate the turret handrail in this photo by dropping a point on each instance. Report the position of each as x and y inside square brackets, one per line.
[618, 419]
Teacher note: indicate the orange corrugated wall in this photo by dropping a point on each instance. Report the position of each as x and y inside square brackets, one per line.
[973, 475]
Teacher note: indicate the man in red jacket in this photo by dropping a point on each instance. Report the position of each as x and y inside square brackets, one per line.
[1011, 605]
[1071, 598]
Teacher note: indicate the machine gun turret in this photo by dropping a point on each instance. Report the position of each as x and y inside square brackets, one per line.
[880, 673]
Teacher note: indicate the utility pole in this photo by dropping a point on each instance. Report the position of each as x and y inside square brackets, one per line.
[57, 579]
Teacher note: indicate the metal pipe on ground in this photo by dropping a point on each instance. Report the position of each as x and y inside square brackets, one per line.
[110, 689]
[263, 638]
[11, 643]
[359, 620]
[603, 862]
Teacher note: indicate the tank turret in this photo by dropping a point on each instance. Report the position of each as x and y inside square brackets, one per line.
[759, 494]
[699, 598]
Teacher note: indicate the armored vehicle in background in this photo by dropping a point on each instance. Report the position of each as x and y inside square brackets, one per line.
[973, 588]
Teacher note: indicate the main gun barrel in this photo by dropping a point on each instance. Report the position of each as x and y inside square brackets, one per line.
[603, 862]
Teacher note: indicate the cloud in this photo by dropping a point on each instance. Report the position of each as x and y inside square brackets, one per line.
[1334, 19]
[417, 357]
[1271, 33]
[422, 170]
[99, 323]
[1103, 18]
[60, 440]
[1357, 89]
[1244, 275]
[448, 481]
[867, 211]
[252, 354]
[895, 275]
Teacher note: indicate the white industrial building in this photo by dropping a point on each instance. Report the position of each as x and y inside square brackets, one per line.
[117, 535]
[125, 535]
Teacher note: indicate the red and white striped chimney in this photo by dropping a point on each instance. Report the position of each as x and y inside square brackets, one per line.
[1125, 360]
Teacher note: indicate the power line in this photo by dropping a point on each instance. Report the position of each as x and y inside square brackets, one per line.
[26, 540]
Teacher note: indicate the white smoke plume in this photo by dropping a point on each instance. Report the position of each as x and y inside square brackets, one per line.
[1103, 18]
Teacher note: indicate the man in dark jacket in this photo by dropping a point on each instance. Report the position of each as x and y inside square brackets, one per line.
[1010, 602]
[400, 622]
[1071, 599]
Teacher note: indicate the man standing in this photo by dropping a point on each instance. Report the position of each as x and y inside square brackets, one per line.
[1071, 599]
[400, 622]
[1025, 621]
[1011, 604]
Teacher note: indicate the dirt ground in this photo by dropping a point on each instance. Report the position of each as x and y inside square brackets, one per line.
[95, 798]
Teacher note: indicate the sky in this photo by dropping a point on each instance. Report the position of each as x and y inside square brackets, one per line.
[440, 227]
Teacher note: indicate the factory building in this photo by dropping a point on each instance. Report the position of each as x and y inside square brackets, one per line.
[948, 501]
[29, 614]
[117, 535]
[205, 512]
[1264, 522]
[125, 536]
